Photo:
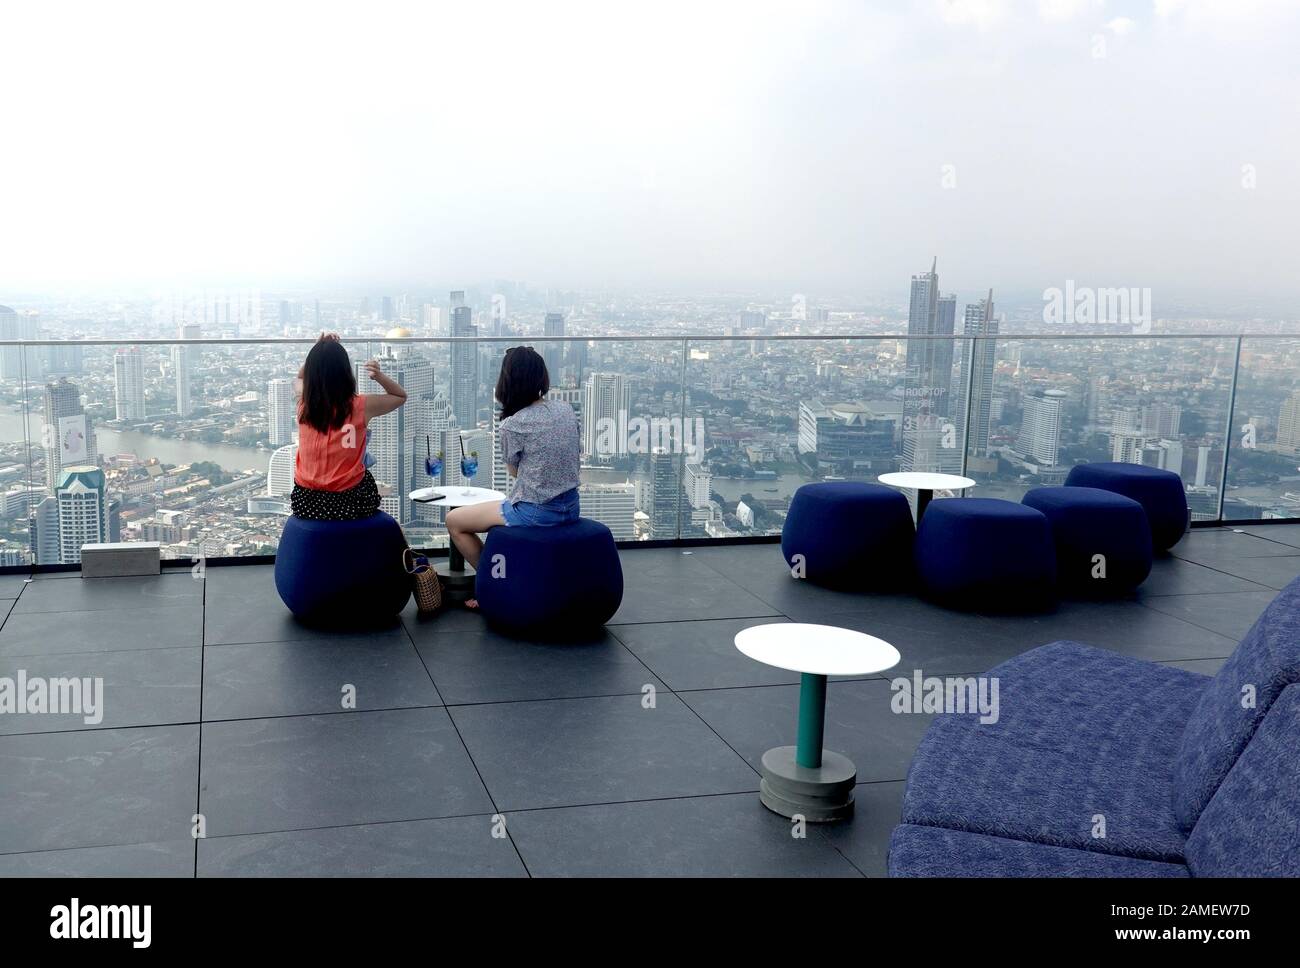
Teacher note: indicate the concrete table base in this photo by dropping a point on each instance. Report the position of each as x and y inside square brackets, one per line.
[807, 780]
[818, 794]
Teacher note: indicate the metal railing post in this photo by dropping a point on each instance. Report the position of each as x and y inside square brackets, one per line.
[974, 343]
[681, 449]
[1227, 434]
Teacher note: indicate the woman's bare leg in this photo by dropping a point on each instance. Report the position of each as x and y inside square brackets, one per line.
[464, 525]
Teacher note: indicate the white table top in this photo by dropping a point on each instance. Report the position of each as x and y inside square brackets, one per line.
[820, 649]
[924, 481]
[458, 495]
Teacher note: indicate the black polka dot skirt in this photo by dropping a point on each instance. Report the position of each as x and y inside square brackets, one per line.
[356, 502]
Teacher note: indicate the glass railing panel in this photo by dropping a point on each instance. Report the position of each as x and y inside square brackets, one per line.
[629, 402]
[20, 439]
[769, 415]
[1264, 453]
[1040, 406]
[192, 443]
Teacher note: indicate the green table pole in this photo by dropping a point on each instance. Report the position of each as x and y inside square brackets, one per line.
[812, 720]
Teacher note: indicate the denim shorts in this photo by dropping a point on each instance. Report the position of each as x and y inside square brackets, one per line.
[561, 509]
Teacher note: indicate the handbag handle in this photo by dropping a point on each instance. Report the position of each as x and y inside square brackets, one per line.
[418, 563]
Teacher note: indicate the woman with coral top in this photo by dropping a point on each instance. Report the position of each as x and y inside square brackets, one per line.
[331, 482]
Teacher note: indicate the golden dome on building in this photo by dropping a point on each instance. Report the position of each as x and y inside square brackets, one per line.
[399, 332]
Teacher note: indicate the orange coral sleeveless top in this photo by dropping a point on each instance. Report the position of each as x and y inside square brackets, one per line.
[333, 461]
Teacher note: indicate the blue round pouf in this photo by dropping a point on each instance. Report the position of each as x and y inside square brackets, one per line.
[849, 535]
[1088, 522]
[550, 582]
[979, 552]
[1161, 494]
[345, 573]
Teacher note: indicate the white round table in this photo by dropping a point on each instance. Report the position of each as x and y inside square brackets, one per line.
[804, 779]
[457, 580]
[925, 484]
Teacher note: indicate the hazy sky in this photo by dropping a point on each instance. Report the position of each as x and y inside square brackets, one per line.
[693, 145]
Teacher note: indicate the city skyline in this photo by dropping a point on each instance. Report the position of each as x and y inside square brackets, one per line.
[194, 441]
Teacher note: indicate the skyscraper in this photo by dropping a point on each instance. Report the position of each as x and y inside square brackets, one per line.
[1040, 433]
[1288, 425]
[929, 443]
[63, 399]
[82, 510]
[665, 493]
[605, 402]
[501, 480]
[464, 364]
[128, 383]
[553, 353]
[1161, 420]
[613, 505]
[397, 439]
[43, 527]
[279, 472]
[978, 359]
[15, 325]
[184, 359]
[281, 412]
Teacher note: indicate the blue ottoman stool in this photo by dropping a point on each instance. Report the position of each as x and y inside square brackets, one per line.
[1160, 493]
[549, 582]
[1087, 522]
[849, 535]
[343, 572]
[980, 552]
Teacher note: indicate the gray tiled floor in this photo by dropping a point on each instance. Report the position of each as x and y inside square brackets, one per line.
[435, 747]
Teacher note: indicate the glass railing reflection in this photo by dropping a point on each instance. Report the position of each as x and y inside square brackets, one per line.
[191, 444]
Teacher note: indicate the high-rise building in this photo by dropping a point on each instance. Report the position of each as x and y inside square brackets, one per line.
[1040, 433]
[128, 383]
[398, 439]
[1288, 425]
[845, 439]
[63, 399]
[82, 510]
[698, 485]
[281, 412]
[978, 360]
[606, 399]
[1161, 420]
[464, 364]
[279, 472]
[665, 493]
[613, 505]
[501, 480]
[553, 353]
[929, 443]
[43, 526]
[1126, 445]
[184, 360]
[11, 357]
[17, 362]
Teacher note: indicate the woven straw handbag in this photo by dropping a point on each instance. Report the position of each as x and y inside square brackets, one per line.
[424, 581]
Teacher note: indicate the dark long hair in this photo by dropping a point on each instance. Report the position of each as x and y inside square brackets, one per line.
[328, 386]
[523, 380]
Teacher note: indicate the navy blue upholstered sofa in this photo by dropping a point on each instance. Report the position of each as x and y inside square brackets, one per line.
[1100, 765]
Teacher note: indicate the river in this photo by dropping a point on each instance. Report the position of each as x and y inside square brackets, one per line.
[169, 450]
